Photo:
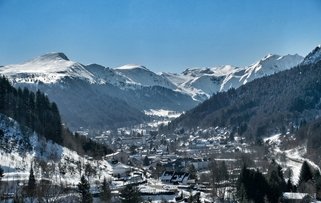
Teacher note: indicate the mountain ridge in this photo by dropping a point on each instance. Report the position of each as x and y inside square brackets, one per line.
[108, 92]
[263, 106]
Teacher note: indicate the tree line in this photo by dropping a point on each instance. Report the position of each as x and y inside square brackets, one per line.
[260, 107]
[30, 109]
[253, 186]
[38, 113]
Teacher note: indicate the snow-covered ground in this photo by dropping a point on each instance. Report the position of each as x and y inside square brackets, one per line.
[162, 113]
[62, 165]
[17, 167]
[198, 83]
[291, 158]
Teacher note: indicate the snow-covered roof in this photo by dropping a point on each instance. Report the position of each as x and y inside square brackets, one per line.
[294, 195]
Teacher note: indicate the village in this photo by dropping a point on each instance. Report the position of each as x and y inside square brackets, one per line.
[188, 166]
[176, 168]
[196, 165]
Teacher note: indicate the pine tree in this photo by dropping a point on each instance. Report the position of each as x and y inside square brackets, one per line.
[194, 198]
[1, 173]
[318, 187]
[242, 185]
[192, 171]
[17, 199]
[84, 190]
[276, 182]
[275, 187]
[146, 161]
[130, 194]
[105, 193]
[251, 185]
[31, 187]
[305, 173]
[223, 172]
[289, 186]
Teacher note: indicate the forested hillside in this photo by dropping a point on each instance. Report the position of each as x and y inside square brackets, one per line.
[30, 109]
[271, 104]
[36, 112]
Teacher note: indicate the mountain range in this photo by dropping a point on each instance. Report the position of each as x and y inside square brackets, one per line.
[271, 104]
[94, 96]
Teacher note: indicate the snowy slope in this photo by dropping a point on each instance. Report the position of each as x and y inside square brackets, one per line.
[292, 158]
[48, 68]
[198, 83]
[105, 75]
[313, 57]
[269, 65]
[97, 96]
[21, 148]
[201, 83]
[208, 80]
[143, 76]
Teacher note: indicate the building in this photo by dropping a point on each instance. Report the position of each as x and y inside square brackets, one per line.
[175, 177]
[118, 156]
[295, 197]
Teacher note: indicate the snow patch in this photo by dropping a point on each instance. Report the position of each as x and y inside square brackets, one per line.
[162, 113]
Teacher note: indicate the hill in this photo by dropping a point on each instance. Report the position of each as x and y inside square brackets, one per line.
[267, 105]
[34, 112]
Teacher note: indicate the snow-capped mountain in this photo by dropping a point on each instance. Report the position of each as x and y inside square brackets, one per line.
[144, 77]
[269, 65]
[98, 96]
[48, 68]
[292, 92]
[313, 57]
[201, 83]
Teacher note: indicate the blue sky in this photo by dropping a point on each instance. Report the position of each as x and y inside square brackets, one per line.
[164, 35]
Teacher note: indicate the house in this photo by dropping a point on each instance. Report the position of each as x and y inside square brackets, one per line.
[295, 197]
[180, 177]
[120, 170]
[174, 177]
[137, 141]
[119, 156]
[167, 176]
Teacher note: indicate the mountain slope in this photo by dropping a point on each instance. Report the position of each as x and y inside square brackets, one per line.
[48, 68]
[262, 106]
[94, 96]
[72, 87]
[313, 57]
[201, 83]
[84, 105]
[21, 148]
[144, 77]
[269, 65]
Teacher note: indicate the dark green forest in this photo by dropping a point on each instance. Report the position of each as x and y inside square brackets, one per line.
[30, 109]
[267, 105]
[35, 111]
[254, 186]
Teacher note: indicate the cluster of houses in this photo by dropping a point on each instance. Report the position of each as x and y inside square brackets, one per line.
[175, 177]
[192, 148]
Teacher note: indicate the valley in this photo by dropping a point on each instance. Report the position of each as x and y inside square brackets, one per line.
[156, 159]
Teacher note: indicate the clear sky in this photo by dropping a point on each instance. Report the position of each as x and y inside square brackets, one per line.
[164, 35]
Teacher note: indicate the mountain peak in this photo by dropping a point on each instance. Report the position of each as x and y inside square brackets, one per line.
[54, 56]
[313, 57]
[270, 57]
[131, 66]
